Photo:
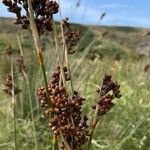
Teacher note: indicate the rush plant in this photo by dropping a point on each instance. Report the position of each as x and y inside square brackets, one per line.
[62, 107]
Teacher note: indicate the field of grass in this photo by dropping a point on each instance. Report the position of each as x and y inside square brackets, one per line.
[125, 127]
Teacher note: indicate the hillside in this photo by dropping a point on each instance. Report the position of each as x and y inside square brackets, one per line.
[106, 40]
[125, 126]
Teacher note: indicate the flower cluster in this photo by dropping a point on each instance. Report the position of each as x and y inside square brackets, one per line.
[9, 86]
[108, 91]
[11, 51]
[43, 11]
[21, 67]
[67, 118]
[71, 37]
[147, 67]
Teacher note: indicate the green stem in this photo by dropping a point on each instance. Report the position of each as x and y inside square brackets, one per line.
[15, 132]
[93, 127]
[60, 58]
[55, 143]
[90, 139]
[31, 109]
[29, 92]
[13, 105]
[71, 83]
[38, 46]
[46, 83]
[37, 43]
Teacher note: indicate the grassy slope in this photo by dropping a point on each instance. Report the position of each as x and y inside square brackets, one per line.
[125, 39]
[126, 127]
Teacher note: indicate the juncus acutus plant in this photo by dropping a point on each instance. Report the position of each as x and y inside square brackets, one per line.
[71, 128]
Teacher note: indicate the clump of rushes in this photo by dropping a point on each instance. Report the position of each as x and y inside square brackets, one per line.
[43, 13]
[9, 86]
[69, 126]
[67, 119]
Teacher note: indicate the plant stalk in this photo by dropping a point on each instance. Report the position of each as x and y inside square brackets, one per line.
[93, 127]
[65, 142]
[55, 143]
[66, 61]
[65, 50]
[59, 54]
[29, 92]
[13, 104]
[38, 46]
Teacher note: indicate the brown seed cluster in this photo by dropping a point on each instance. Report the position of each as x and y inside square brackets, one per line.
[71, 37]
[9, 86]
[11, 51]
[106, 98]
[109, 85]
[92, 56]
[20, 64]
[147, 67]
[67, 118]
[43, 11]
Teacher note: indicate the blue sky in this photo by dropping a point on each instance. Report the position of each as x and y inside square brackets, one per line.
[118, 12]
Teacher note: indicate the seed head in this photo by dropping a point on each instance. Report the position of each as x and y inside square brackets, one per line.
[43, 11]
[67, 117]
[106, 98]
[9, 86]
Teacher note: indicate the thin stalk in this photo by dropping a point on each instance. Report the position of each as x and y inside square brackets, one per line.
[66, 57]
[55, 143]
[20, 46]
[65, 142]
[13, 104]
[29, 92]
[38, 47]
[93, 127]
[59, 54]
[31, 109]
[65, 49]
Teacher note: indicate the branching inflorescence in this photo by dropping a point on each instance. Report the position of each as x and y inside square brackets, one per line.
[108, 91]
[9, 86]
[67, 117]
[43, 13]
[71, 37]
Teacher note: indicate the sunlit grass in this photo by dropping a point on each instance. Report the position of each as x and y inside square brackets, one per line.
[125, 127]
